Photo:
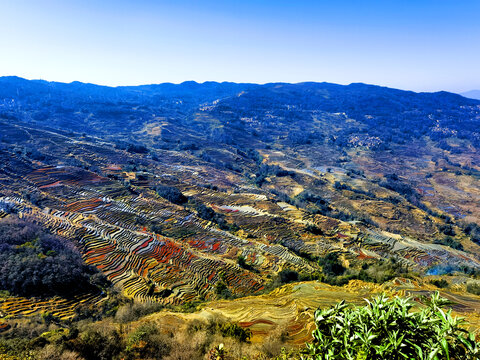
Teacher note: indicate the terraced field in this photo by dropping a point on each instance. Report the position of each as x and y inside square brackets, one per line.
[290, 308]
[173, 270]
[271, 202]
[112, 216]
[61, 308]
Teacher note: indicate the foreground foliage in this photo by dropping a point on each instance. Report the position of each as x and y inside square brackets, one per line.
[110, 340]
[391, 329]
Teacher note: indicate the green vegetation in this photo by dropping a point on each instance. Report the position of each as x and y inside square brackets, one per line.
[379, 272]
[207, 213]
[171, 194]
[391, 329]
[440, 283]
[135, 310]
[447, 229]
[136, 149]
[234, 331]
[288, 275]
[221, 288]
[473, 288]
[449, 241]
[34, 262]
[242, 262]
[473, 230]
[315, 230]
[331, 265]
[265, 171]
[149, 340]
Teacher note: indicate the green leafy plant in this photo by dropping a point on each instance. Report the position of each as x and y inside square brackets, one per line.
[391, 329]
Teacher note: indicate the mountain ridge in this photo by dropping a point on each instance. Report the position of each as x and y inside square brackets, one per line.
[189, 83]
[473, 94]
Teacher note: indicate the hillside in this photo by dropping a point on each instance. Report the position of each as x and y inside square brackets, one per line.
[193, 193]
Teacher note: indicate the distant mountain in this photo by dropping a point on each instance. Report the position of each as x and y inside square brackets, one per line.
[192, 110]
[472, 94]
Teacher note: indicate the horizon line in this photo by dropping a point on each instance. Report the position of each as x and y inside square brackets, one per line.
[228, 82]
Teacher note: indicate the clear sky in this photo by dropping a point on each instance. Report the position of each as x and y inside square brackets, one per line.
[422, 45]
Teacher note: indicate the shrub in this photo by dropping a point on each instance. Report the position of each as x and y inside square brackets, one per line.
[93, 345]
[242, 262]
[315, 230]
[288, 276]
[383, 271]
[473, 288]
[207, 213]
[331, 265]
[442, 283]
[137, 149]
[447, 229]
[391, 329]
[235, 331]
[146, 342]
[473, 230]
[222, 290]
[171, 194]
[449, 241]
[134, 311]
[380, 272]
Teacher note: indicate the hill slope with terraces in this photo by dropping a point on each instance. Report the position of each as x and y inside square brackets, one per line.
[195, 192]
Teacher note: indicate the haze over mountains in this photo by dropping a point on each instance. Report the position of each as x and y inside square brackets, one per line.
[473, 94]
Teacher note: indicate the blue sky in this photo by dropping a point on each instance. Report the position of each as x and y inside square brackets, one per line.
[422, 45]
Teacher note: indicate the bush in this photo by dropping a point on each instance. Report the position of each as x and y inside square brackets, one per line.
[391, 329]
[473, 288]
[146, 342]
[137, 149]
[331, 265]
[207, 213]
[380, 272]
[383, 271]
[93, 345]
[242, 262]
[449, 241]
[447, 229]
[131, 312]
[473, 230]
[235, 331]
[315, 230]
[171, 194]
[222, 290]
[442, 283]
[288, 276]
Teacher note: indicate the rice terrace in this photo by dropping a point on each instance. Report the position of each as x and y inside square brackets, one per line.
[278, 206]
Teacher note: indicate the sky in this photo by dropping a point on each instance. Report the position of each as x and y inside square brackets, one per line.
[420, 45]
